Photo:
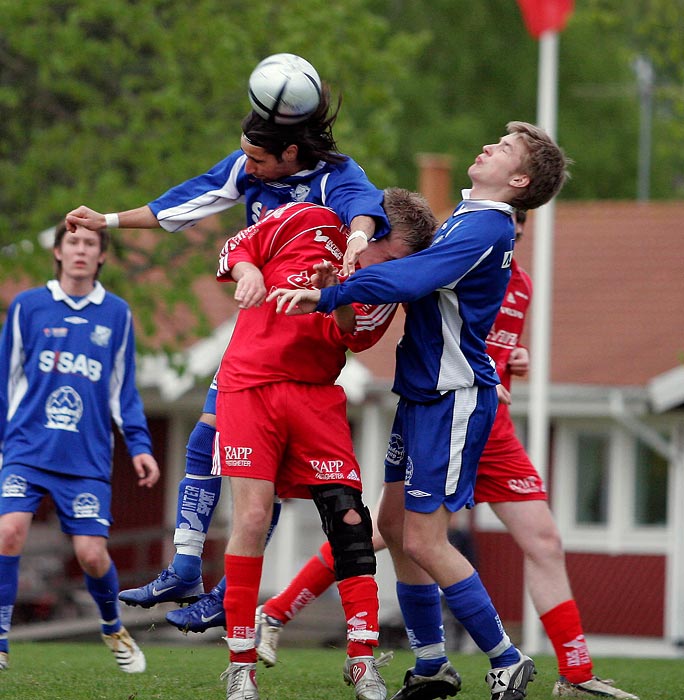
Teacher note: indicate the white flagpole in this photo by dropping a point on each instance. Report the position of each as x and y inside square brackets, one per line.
[540, 345]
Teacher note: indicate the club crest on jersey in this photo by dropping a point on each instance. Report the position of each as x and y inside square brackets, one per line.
[101, 336]
[300, 193]
[300, 280]
[14, 486]
[86, 505]
[64, 409]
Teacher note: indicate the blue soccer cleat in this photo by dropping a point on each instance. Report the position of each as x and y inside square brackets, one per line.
[168, 587]
[207, 612]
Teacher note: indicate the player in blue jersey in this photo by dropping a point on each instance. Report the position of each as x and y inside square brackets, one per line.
[67, 370]
[446, 384]
[275, 165]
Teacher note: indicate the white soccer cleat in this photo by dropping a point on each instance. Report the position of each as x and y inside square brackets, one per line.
[126, 651]
[362, 673]
[4, 660]
[593, 688]
[268, 631]
[510, 682]
[241, 682]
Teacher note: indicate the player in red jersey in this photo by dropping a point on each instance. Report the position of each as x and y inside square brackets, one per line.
[281, 419]
[509, 482]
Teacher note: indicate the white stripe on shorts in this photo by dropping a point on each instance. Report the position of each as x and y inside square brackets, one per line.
[465, 402]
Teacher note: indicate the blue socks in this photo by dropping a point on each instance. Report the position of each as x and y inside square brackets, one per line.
[421, 608]
[198, 495]
[471, 605]
[105, 593]
[9, 584]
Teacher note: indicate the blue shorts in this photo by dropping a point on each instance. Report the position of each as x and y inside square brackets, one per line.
[210, 401]
[83, 505]
[435, 447]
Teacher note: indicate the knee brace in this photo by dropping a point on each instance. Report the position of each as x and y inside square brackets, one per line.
[352, 545]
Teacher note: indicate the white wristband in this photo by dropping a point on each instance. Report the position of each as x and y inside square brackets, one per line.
[112, 220]
[357, 234]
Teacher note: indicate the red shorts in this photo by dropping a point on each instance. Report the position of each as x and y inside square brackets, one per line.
[294, 435]
[505, 472]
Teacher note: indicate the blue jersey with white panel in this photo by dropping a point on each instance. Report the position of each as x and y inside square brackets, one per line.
[454, 289]
[343, 187]
[67, 370]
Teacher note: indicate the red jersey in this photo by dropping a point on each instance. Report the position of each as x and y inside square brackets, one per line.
[268, 347]
[505, 472]
[505, 337]
[508, 326]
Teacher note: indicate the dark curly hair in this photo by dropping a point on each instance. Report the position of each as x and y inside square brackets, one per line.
[313, 137]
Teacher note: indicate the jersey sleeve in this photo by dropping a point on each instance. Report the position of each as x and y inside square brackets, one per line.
[350, 193]
[193, 200]
[371, 323]
[125, 403]
[415, 276]
[251, 245]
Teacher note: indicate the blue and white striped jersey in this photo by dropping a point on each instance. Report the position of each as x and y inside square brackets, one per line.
[67, 369]
[454, 289]
[342, 187]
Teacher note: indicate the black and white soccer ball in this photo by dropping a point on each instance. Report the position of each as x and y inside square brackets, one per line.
[284, 88]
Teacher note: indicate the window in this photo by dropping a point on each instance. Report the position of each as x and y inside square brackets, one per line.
[650, 494]
[592, 478]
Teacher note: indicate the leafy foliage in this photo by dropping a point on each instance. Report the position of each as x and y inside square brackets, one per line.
[109, 104]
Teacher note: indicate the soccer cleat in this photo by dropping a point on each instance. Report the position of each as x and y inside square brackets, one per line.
[241, 682]
[207, 612]
[168, 587]
[126, 651]
[510, 682]
[267, 637]
[362, 673]
[593, 688]
[445, 682]
[4, 660]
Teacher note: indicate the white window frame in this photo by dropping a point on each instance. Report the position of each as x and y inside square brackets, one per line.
[620, 534]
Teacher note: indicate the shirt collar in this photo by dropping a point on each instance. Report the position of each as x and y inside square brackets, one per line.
[468, 204]
[95, 297]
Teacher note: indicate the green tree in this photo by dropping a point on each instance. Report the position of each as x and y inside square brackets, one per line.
[109, 104]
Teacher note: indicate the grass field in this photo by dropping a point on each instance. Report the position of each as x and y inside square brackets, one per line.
[86, 671]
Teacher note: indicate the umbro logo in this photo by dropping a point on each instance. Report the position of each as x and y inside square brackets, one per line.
[417, 493]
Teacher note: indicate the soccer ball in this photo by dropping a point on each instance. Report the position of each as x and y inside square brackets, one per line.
[285, 88]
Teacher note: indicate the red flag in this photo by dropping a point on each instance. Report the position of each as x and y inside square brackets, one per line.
[544, 15]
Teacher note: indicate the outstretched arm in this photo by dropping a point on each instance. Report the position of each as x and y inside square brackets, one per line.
[142, 217]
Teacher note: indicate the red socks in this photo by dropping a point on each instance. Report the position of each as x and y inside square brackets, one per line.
[564, 628]
[359, 596]
[243, 575]
[316, 576]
